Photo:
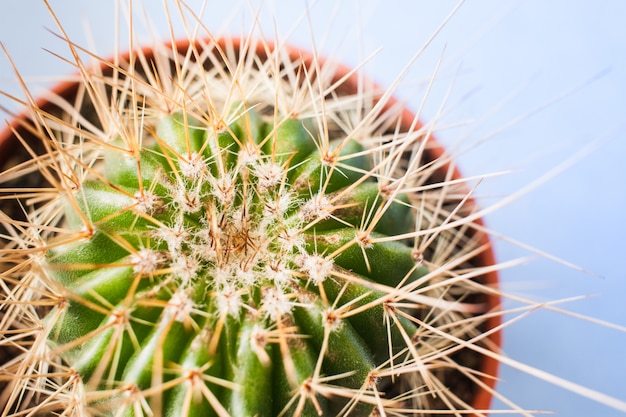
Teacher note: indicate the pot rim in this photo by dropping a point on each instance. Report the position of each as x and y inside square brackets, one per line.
[489, 364]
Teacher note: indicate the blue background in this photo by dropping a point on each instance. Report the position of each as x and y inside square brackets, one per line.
[539, 80]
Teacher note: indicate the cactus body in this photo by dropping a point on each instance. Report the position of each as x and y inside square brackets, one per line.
[214, 251]
[223, 282]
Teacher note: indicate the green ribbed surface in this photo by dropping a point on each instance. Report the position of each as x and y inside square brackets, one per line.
[213, 280]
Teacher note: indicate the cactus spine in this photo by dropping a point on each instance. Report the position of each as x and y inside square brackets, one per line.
[228, 233]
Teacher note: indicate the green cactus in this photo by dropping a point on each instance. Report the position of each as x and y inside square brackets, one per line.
[206, 257]
[211, 248]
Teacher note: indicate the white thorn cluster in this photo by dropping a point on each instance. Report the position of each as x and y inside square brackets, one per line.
[268, 174]
[192, 168]
[248, 155]
[317, 208]
[279, 272]
[147, 202]
[188, 199]
[290, 239]
[228, 300]
[224, 189]
[186, 268]
[146, 261]
[174, 236]
[275, 302]
[331, 320]
[179, 307]
[278, 206]
[317, 267]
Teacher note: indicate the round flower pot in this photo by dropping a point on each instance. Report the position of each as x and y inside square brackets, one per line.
[475, 389]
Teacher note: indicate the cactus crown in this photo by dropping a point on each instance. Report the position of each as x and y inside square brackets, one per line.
[231, 233]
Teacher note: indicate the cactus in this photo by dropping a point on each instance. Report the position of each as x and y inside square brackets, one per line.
[227, 229]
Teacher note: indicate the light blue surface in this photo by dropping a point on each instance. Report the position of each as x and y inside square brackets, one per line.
[503, 60]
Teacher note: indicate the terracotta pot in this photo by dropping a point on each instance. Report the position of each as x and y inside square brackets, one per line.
[11, 152]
